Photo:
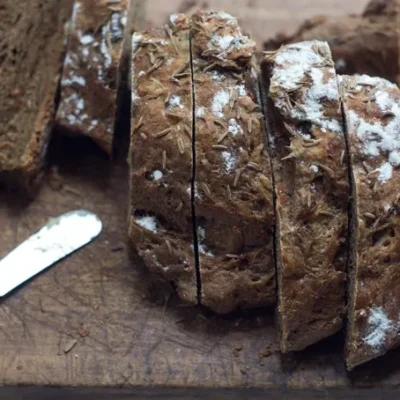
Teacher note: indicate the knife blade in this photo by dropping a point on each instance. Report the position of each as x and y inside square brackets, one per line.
[57, 239]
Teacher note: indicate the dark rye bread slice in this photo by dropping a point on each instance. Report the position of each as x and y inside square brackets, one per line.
[32, 49]
[233, 188]
[372, 112]
[161, 154]
[90, 78]
[311, 188]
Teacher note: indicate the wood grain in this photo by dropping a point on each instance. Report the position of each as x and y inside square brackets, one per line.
[131, 332]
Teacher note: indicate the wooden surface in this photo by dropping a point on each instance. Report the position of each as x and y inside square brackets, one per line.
[132, 334]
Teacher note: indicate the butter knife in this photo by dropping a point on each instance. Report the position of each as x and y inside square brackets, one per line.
[57, 239]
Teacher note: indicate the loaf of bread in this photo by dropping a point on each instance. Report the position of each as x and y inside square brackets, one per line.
[29, 76]
[88, 103]
[233, 182]
[203, 184]
[161, 154]
[372, 112]
[311, 188]
[367, 44]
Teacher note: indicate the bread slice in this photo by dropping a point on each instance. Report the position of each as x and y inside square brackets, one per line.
[372, 111]
[32, 49]
[161, 154]
[90, 79]
[311, 188]
[233, 181]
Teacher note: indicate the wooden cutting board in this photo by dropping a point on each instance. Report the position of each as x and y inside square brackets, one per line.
[97, 325]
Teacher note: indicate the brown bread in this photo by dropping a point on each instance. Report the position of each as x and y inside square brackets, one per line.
[29, 76]
[311, 188]
[90, 79]
[372, 111]
[161, 154]
[233, 183]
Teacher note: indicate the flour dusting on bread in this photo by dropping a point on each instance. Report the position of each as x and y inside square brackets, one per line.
[379, 325]
[379, 137]
[306, 68]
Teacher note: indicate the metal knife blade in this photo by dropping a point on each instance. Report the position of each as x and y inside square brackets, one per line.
[59, 238]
